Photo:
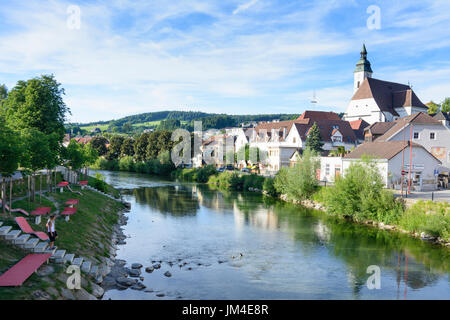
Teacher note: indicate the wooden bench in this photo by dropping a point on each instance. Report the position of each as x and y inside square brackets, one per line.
[21, 271]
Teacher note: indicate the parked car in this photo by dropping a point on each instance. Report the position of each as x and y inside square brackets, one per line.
[229, 167]
[221, 169]
[246, 170]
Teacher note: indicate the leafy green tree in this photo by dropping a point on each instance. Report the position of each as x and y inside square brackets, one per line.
[115, 147]
[127, 148]
[75, 155]
[314, 139]
[99, 144]
[9, 149]
[445, 106]
[433, 108]
[3, 94]
[38, 104]
[127, 127]
[9, 155]
[36, 152]
[140, 147]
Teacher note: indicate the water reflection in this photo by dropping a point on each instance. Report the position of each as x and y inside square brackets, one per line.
[290, 252]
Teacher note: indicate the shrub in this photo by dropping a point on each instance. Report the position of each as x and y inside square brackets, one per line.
[252, 181]
[360, 195]
[429, 217]
[99, 182]
[202, 175]
[299, 182]
[269, 187]
[126, 164]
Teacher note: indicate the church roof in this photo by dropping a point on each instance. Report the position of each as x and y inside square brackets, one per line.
[388, 95]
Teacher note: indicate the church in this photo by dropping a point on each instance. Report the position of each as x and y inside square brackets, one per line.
[378, 100]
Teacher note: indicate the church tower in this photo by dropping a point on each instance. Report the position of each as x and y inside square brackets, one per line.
[362, 71]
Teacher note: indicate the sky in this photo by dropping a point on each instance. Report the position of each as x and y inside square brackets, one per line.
[123, 57]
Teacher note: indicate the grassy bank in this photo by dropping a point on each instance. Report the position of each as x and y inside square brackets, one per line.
[87, 234]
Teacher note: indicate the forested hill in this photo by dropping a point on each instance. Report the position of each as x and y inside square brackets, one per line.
[170, 120]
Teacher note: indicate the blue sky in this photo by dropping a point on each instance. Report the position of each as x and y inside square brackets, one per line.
[236, 57]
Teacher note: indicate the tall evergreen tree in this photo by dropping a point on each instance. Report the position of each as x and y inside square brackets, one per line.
[314, 139]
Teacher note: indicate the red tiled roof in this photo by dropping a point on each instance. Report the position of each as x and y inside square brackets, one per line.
[319, 115]
[326, 129]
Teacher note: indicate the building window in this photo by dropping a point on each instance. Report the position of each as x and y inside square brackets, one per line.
[432, 136]
[358, 85]
[327, 169]
[294, 140]
[416, 135]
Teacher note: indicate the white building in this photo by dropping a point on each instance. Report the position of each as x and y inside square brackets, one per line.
[281, 139]
[377, 100]
[425, 130]
[394, 156]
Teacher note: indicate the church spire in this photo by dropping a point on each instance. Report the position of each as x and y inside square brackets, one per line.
[363, 64]
[363, 70]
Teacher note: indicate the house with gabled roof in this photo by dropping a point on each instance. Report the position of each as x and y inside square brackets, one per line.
[377, 100]
[280, 139]
[393, 157]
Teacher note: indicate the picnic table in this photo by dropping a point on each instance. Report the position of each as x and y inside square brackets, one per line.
[40, 212]
[72, 202]
[83, 184]
[68, 212]
[61, 185]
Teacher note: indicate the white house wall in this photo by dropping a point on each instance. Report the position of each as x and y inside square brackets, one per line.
[440, 147]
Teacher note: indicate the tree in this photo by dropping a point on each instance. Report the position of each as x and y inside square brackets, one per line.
[140, 147]
[36, 152]
[38, 104]
[115, 147]
[9, 156]
[3, 94]
[445, 106]
[433, 108]
[99, 144]
[75, 155]
[127, 148]
[314, 139]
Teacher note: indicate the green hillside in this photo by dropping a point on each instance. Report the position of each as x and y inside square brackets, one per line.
[170, 120]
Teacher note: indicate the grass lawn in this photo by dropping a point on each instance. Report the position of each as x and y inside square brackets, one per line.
[87, 234]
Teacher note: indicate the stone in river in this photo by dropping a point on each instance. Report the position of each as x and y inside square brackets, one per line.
[149, 269]
[168, 274]
[138, 286]
[134, 272]
[136, 266]
[160, 295]
[157, 265]
[127, 282]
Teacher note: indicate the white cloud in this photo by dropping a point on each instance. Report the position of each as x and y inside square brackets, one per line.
[245, 6]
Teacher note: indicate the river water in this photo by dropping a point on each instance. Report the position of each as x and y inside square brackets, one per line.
[231, 245]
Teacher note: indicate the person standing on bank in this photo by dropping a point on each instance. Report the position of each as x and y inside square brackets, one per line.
[51, 231]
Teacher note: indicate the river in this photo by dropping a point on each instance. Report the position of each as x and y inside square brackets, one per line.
[231, 245]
